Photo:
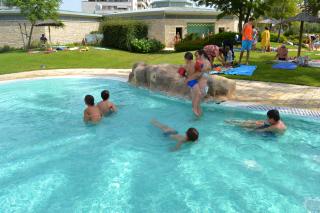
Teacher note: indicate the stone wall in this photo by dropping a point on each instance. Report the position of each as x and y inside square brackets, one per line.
[164, 30]
[11, 35]
[73, 31]
[156, 30]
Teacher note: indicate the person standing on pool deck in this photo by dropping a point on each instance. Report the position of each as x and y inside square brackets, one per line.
[247, 39]
[91, 113]
[105, 105]
[191, 136]
[272, 124]
[193, 77]
[265, 40]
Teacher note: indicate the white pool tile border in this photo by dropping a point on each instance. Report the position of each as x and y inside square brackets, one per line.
[284, 110]
[117, 78]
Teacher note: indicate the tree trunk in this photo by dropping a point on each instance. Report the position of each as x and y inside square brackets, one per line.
[49, 34]
[249, 9]
[280, 27]
[300, 38]
[24, 43]
[279, 32]
[30, 36]
[246, 20]
[240, 22]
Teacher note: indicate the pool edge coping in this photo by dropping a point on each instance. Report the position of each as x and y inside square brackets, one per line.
[300, 112]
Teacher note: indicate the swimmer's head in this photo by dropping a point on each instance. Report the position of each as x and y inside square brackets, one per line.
[89, 100]
[273, 116]
[188, 56]
[105, 95]
[192, 134]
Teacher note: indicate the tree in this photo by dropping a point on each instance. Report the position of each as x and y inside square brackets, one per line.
[36, 10]
[312, 6]
[243, 9]
[281, 10]
[310, 13]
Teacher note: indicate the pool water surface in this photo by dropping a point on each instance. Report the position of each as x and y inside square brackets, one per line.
[50, 161]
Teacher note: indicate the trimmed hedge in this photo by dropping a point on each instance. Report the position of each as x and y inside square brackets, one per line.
[190, 45]
[217, 39]
[146, 46]
[274, 38]
[119, 33]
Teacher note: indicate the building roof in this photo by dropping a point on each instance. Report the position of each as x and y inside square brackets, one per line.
[169, 11]
[61, 12]
[171, 3]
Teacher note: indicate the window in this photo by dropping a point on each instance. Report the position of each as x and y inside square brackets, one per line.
[221, 29]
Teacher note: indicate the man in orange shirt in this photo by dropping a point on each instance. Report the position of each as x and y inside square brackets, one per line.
[247, 39]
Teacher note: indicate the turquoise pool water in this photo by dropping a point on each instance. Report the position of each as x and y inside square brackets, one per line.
[50, 161]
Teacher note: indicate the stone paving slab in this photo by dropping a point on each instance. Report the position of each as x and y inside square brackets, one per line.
[276, 94]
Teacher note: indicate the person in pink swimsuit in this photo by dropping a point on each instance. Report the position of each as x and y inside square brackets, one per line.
[213, 51]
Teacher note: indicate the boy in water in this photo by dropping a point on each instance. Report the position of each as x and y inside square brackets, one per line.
[272, 124]
[92, 112]
[191, 136]
[105, 105]
[193, 76]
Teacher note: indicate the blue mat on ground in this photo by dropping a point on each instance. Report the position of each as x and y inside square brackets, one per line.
[242, 70]
[285, 66]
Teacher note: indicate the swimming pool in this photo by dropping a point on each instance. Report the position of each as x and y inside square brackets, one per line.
[50, 161]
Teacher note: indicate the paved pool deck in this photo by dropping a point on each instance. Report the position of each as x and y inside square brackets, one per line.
[253, 92]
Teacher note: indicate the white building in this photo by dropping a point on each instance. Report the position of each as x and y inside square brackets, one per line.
[113, 6]
[2, 5]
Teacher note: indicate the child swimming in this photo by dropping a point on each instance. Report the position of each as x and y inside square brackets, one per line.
[191, 135]
[92, 112]
[272, 124]
[105, 105]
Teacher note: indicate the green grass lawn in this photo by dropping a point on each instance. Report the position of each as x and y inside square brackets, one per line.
[20, 61]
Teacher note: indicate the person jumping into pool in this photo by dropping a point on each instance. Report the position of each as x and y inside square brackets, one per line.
[272, 124]
[191, 135]
[106, 107]
[91, 113]
[194, 75]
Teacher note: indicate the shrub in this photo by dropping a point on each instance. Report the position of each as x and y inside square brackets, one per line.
[186, 45]
[119, 33]
[5, 48]
[146, 46]
[191, 37]
[37, 44]
[288, 33]
[274, 38]
[217, 39]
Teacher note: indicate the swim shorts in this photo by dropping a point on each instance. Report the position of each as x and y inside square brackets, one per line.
[246, 45]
